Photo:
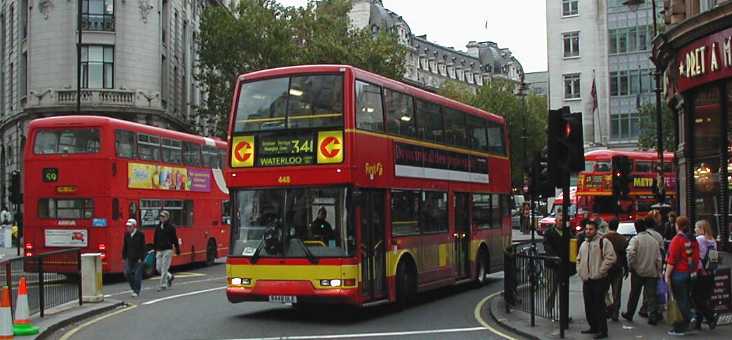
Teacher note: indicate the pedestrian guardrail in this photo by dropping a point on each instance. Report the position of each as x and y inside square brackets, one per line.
[531, 282]
[54, 278]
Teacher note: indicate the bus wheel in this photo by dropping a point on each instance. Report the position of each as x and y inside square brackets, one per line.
[405, 280]
[482, 267]
[211, 252]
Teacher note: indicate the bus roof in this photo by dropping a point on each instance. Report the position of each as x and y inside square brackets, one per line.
[374, 78]
[599, 155]
[72, 121]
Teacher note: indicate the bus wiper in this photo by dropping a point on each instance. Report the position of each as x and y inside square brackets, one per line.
[257, 252]
[310, 256]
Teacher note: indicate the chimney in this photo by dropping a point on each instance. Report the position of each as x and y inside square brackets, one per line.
[473, 49]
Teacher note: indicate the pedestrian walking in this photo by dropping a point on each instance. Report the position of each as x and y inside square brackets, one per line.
[552, 246]
[595, 258]
[525, 218]
[133, 252]
[602, 226]
[645, 264]
[681, 267]
[619, 268]
[670, 226]
[165, 239]
[6, 223]
[702, 290]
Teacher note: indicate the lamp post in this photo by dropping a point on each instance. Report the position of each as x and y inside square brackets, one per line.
[521, 92]
[78, 56]
[660, 181]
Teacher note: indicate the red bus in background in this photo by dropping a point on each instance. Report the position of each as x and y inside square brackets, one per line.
[595, 186]
[348, 187]
[86, 175]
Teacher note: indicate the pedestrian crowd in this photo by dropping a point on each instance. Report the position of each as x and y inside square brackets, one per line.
[135, 255]
[680, 276]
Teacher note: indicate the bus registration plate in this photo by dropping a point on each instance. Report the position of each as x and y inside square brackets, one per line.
[282, 299]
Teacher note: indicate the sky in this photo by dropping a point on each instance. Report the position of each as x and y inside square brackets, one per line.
[519, 25]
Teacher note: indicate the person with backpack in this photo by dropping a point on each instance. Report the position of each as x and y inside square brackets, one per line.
[595, 258]
[619, 268]
[702, 290]
[681, 267]
[644, 260]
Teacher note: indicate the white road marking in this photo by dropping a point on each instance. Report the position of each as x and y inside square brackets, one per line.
[477, 314]
[71, 333]
[221, 278]
[370, 335]
[182, 295]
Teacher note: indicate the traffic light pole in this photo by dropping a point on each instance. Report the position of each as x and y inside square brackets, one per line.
[564, 283]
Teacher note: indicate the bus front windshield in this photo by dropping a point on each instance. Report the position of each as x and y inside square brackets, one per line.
[307, 222]
[66, 141]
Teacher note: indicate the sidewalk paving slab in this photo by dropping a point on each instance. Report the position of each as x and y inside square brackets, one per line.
[518, 322]
[64, 315]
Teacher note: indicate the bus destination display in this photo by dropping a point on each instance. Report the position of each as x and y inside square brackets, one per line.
[282, 150]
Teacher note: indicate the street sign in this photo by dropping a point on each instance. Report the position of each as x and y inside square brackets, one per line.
[722, 296]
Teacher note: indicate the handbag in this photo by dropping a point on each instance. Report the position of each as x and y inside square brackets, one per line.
[149, 259]
[674, 313]
[661, 291]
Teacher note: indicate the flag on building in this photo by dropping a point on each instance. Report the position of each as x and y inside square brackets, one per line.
[593, 93]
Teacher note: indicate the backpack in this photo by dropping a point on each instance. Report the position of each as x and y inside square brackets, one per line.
[711, 260]
[616, 265]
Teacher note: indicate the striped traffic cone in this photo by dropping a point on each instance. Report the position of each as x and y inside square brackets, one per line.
[6, 316]
[22, 325]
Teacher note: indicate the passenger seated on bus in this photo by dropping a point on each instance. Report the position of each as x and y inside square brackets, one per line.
[321, 230]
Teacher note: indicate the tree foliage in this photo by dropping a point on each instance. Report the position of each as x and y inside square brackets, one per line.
[260, 34]
[498, 96]
[647, 138]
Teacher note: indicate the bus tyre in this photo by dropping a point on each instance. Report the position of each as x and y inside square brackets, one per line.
[211, 252]
[405, 289]
[482, 267]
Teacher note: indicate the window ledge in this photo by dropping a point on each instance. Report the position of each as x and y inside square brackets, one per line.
[572, 57]
[572, 99]
[570, 16]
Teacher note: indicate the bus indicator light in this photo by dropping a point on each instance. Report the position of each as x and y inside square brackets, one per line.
[66, 189]
[330, 147]
[242, 155]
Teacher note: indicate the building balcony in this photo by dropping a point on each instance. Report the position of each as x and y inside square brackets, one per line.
[97, 22]
[93, 100]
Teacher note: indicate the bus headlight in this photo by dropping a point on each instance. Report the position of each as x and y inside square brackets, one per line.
[238, 281]
[330, 283]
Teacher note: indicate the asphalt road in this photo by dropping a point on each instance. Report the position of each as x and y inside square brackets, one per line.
[196, 308]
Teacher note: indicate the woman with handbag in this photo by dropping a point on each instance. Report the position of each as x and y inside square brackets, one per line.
[681, 268]
[702, 290]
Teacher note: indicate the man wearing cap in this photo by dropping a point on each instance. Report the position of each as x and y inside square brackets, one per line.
[165, 240]
[133, 252]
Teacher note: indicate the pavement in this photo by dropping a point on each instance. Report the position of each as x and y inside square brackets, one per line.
[519, 322]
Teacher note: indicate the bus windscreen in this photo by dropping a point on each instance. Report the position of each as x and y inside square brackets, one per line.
[67, 141]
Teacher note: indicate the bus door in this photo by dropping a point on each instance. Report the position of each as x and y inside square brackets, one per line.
[373, 247]
[461, 236]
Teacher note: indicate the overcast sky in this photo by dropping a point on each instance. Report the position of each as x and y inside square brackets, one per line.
[519, 25]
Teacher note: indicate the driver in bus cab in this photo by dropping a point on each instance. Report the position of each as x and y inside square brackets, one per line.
[321, 230]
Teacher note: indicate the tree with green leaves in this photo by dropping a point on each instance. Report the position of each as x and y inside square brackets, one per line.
[260, 34]
[498, 96]
[647, 139]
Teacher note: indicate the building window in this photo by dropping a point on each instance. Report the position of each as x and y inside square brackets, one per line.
[632, 39]
[633, 82]
[97, 15]
[624, 125]
[570, 7]
[571, 44]
[572, 86]
[164, 22]
[11, 30]
[97, 67]
[11, 92]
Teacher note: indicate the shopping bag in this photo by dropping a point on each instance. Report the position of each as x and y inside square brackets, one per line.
[150, 259]
[661, 291]
[674, 313]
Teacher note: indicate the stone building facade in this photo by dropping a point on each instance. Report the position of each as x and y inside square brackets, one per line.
[429, 64]
[137, 64]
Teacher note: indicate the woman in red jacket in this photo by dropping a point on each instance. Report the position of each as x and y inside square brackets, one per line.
[681, 268]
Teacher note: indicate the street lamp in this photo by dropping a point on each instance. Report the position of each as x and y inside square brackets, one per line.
[660, 181]
[522, 92]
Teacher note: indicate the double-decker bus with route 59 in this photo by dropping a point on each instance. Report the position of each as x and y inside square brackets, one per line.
[351, 188]
[86, 175]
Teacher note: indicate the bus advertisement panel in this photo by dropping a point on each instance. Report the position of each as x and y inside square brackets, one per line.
[86, 175]
[348, 187]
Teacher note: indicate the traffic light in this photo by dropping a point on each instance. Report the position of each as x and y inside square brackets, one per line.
[15, 196]
[540, 181]
[621, 176]
[566, 144]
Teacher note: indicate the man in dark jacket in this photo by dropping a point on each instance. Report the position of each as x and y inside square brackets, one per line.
[133, 252]
[165, 240]
[552, 247]
[618, 270]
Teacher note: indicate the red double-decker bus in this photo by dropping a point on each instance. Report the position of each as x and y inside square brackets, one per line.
[595, 184]
[86, 175]
[348, 187]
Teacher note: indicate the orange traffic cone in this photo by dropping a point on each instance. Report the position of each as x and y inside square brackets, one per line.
[6, 316]
[22, 325]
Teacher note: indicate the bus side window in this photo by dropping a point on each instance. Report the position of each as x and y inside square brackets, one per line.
[132, 212]
[125, 144]
[226, 212]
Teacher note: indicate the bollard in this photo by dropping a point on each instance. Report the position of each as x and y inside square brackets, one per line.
[91, 278]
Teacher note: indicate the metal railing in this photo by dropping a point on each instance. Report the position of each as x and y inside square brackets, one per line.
[97, 22]
[532, 282]
[53, 278]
